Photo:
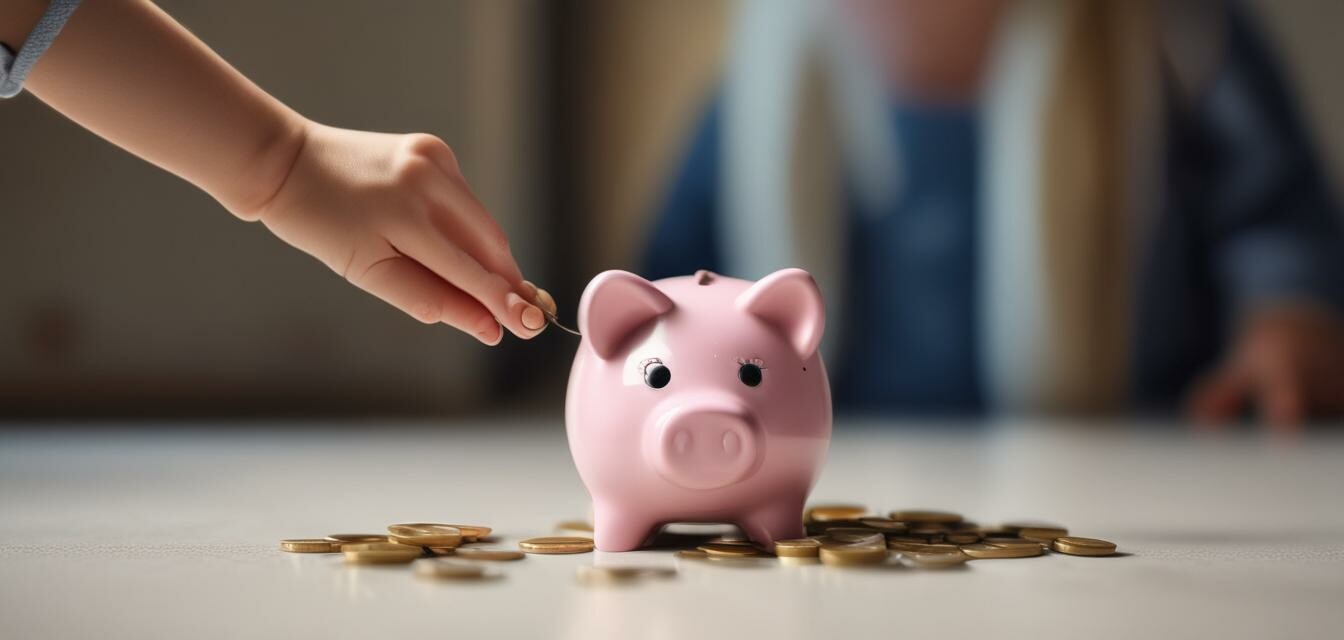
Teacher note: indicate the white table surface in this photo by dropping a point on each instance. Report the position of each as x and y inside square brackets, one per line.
[137, 532]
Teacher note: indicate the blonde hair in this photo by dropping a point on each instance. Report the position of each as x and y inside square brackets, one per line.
[1085, 226]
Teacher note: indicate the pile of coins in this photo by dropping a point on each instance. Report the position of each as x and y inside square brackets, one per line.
[849, 535]
[422, 543]
[837, 535]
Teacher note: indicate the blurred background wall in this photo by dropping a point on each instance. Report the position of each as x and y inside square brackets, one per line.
[127, 292]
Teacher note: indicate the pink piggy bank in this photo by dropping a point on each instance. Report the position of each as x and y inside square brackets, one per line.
[698, 399]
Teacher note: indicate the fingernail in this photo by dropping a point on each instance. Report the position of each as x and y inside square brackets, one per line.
[533, 318]
[488, 331]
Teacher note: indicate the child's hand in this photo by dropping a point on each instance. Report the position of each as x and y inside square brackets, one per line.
[390, 213]
[393, 215]
[1288, 360]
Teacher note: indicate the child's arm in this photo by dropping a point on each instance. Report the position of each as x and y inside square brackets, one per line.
[390, 213]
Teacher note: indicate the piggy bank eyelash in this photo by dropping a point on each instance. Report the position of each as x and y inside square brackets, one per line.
[644, 364]
[756, 361]
[656, 374]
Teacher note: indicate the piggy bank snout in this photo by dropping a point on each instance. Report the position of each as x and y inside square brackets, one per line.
[703, 446]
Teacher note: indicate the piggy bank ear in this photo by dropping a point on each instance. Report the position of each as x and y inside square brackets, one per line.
[789, 301]
[615, 304]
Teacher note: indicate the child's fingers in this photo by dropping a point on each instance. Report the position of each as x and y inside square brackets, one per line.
[491, 290]
[462, 219]
[409, 286]
[1219, 398]
[1281, 400]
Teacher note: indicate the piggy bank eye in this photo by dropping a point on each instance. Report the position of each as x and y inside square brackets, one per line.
[749, 374]
[657, 375]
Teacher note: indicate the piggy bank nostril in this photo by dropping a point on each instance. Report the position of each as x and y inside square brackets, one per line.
[732, 443]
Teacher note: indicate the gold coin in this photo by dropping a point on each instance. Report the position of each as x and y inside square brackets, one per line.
[381, 546]
[961, 537]
[1011, 542]
[1042, 534]
[831, 512]
[545, 301]
[845, 535]
[472, 531]
[907, 546]
[1075, 546]
[447, 569]
[799, 548]
[730, 540]
[308, 545]
[982, 550]
[339, 539]
[852, 554]
[478, 553]
[720, 549]
[574, 525]
[911, 539]
[925, 516]
[441, 551]
[887, 526]
[937, 560]
[595, 575]
[380, 553]
[425, 534]
[556, 545]
[746, 562]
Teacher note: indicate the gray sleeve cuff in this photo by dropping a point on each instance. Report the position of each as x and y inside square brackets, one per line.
[1276, 265]
[14, 68]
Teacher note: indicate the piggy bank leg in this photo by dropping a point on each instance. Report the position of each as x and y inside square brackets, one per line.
[779, 521]
[616, 529]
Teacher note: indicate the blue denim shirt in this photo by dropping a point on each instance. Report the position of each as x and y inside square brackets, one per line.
[1248, 217]
[910, 340]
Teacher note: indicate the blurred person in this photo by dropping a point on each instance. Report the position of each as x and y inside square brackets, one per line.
[390, 213]
[1063, 205]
